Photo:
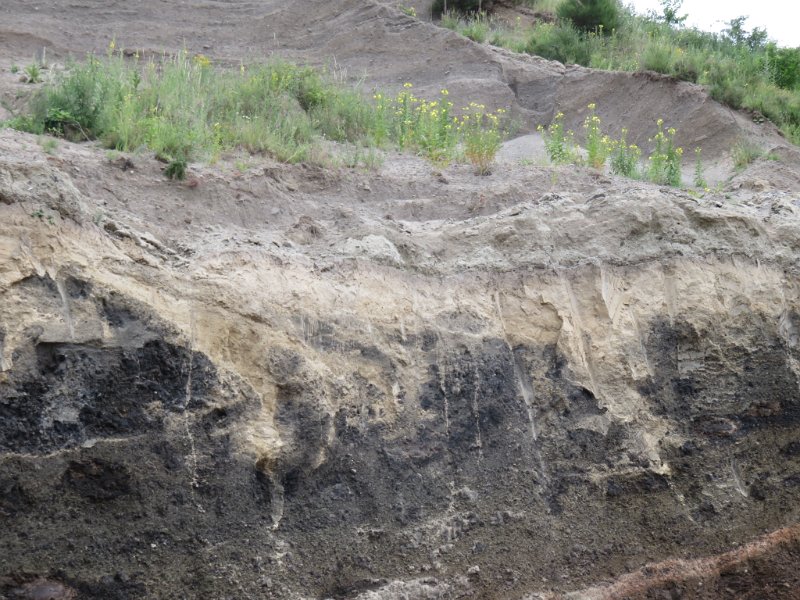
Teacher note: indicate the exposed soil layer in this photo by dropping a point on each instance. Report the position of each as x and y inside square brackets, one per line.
[294, 382]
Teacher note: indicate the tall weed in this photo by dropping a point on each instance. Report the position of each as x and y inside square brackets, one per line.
[664, 164]
[559, 143]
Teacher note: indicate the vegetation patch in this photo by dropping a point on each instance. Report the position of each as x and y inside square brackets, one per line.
[185, 109]
[663, 164]
[738, 67]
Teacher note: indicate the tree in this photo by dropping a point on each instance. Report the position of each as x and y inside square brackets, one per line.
[591, 15]
[670, 9]
[739, 36]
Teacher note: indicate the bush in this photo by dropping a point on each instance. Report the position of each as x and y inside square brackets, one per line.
[784, 66]
[561, 42]
[591, 15]
[477, 29]
[657, 57]
[685, 67]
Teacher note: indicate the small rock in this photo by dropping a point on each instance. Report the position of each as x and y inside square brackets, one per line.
[376, 247]
[43, 590]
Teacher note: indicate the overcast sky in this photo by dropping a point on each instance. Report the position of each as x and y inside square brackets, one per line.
[781, 18]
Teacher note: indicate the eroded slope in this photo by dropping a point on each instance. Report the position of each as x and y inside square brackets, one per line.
[296, 383]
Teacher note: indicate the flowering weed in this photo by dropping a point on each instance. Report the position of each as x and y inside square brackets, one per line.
[597, 144]
[699, 176]
[559, 144]
[482, 136]
[624, 157]
[664, 164]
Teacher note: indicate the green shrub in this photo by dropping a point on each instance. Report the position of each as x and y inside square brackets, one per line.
[658, 57]
[176, 169]
[783, 65]
[559, 41]
[723, 84]
[686, 67]
[476, 29]
[33, 73]
[591, 15]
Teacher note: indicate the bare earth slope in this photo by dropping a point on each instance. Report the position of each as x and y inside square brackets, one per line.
[405, 384]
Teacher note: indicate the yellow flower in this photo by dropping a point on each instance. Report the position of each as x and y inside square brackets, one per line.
[201, 60]
[592, 106]
[408, 85]
[445, 93]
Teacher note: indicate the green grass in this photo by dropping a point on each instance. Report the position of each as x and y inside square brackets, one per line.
[745, 153]
[738, 67]
[185, 109]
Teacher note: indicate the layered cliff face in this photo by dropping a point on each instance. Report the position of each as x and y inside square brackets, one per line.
[296, 383]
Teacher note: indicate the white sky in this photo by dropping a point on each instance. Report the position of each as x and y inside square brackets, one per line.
[781, 18]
